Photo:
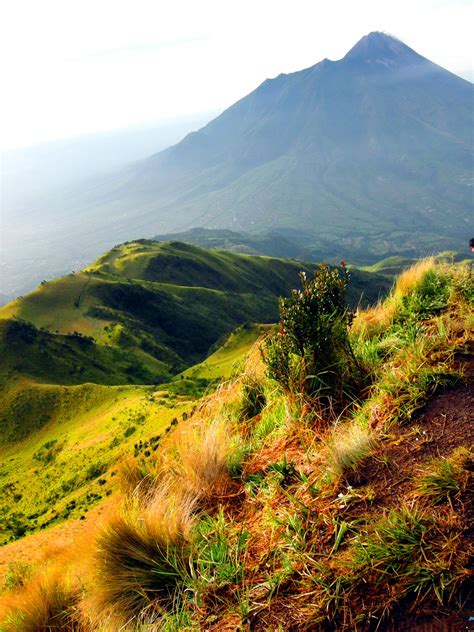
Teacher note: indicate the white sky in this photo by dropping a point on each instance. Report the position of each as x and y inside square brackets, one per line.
[77, 66]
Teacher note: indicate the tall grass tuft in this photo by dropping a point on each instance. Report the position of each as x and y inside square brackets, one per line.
[48, 602]
[198, 455]
[252, 398]
[140, 556]
[446, 478]
[137, 476]
[347, 448]
[375, 320]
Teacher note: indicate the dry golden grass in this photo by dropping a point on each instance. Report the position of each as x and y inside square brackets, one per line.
[47, 602]
[198, 455]
[376, 319]
[368, 323]
[139, 550]
[411, 278]
[137, 476]
[347, 448]
[61, 562]
[140, 546]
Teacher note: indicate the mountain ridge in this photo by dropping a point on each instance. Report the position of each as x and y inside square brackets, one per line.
[355, 155]
[284, 154]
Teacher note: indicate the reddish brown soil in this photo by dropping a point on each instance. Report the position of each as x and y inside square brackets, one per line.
[442, 621]
[446, 423]
[443, 425]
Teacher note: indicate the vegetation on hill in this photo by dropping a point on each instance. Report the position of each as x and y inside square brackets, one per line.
[166, 304]
[280, 507]
[98, 334]
[65, 434]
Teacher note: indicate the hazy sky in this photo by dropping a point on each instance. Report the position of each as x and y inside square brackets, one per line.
[76, 66]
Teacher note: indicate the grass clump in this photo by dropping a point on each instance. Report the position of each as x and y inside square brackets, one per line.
[414, 553]
[137, 475]
[446, 478]
[421, 292]
[218, 555]
[141, 553]
[198, 456]
[347, 449]
[49, 603]
[252, 398]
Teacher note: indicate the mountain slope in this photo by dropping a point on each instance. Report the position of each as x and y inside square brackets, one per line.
[370, 155]
[267, 508]
[375, 146]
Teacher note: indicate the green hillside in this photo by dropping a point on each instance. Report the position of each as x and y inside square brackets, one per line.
[166, 304]
[76, 353]
[228, 359]
[69, 459]
[66, 438]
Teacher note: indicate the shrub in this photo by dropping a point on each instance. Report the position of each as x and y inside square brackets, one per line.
[310, 353]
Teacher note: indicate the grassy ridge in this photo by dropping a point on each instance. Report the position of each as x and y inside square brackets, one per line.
[166, 304]
[265, 510]
[229, 358]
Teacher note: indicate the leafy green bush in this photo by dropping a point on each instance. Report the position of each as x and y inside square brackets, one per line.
[311, 353]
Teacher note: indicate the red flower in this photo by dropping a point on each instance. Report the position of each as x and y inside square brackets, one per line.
[282, 331]
[343, 263]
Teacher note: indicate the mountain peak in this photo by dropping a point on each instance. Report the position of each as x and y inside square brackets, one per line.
[380, 47]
